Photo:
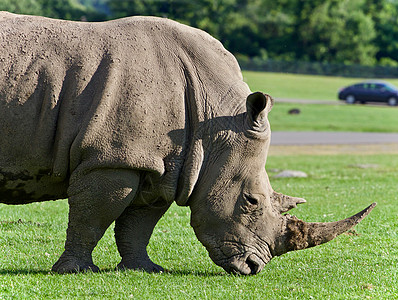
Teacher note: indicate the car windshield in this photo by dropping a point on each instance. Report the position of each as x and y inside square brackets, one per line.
[391, 87]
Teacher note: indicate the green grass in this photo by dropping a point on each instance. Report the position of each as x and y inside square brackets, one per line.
[320, 117]
[362, 265]
[293, 86]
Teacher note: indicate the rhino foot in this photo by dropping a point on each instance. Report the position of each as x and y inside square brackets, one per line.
[147, 266]
[73, 265]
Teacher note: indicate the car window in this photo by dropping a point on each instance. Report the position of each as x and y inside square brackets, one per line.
[375, 86]
[390, 87]
[358, 86]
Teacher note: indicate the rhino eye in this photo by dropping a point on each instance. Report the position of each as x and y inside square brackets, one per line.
[251, 200]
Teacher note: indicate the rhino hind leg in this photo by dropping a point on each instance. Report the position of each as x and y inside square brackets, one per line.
[96, 200]
[133, 230]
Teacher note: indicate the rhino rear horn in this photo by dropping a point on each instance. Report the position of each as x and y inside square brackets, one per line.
[301, 235]
[283, 203]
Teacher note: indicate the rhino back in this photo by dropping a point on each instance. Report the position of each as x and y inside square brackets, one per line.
[79, 96]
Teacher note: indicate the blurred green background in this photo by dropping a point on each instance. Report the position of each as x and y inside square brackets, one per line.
[363, 32]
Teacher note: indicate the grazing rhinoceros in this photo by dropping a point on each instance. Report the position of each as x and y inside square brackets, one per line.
[127, 116]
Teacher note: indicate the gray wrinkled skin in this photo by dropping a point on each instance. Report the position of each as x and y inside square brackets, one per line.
[123, 118]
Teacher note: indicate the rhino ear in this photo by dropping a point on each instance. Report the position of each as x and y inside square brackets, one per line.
[257, 106]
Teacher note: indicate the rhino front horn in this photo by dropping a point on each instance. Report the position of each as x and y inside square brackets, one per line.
[301, 235]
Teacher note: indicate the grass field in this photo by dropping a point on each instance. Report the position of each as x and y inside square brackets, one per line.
[293, 86]
[360, 265]
[320, 117]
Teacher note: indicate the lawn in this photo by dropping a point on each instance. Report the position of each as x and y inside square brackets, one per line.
[360, 265]
[321, 117]
[294, 86]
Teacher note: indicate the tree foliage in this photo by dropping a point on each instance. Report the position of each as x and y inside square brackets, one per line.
[61, 9]
[21, 6]
[338, 31]
[335, 31]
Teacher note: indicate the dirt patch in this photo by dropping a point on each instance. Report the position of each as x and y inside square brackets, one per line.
[360, 149]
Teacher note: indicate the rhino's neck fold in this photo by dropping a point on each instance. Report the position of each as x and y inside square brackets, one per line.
[193, 148]
[206, 111]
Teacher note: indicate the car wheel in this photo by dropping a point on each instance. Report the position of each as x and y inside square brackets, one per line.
[350, 99]
[392, 101]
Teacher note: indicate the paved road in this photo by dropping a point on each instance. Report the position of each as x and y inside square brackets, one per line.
[331, 138]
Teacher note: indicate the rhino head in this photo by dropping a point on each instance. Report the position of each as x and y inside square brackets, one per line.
[236, 214]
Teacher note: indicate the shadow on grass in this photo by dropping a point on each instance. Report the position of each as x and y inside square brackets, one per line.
[26, 272]
[175, 272]
[198, 273]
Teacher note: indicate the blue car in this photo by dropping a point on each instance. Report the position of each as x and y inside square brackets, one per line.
[370, 91]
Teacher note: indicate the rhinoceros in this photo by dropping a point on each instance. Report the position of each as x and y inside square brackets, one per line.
[125, 117]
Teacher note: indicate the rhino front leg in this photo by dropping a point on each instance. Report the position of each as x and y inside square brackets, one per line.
[96, 200]
[133, 230]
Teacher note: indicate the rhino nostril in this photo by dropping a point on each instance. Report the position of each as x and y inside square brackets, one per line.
[254, 263]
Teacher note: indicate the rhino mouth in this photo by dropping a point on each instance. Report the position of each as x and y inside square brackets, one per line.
[236, 257]
[248, 264]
